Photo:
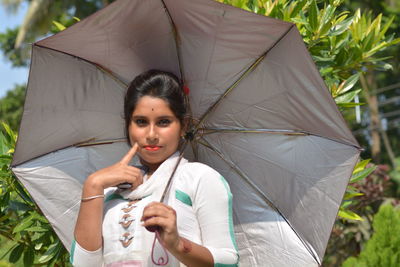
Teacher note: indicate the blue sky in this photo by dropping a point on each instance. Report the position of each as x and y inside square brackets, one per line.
[8, 75]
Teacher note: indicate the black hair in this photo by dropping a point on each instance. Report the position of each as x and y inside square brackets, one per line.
[155, 83]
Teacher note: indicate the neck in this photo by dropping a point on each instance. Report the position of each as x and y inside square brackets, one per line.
[151, 167]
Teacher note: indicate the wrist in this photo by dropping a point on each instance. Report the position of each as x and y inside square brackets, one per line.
[92, 186]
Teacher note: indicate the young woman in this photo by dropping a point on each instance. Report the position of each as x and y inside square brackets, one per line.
[193, 226]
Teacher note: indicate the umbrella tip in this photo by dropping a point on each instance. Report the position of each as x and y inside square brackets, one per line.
[189, 135]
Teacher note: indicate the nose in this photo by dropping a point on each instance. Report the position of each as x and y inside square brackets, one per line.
[152, 135]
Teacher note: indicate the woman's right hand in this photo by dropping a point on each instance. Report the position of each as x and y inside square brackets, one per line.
[117, 174]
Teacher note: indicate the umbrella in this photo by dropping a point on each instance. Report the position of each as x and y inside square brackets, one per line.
[261, 115]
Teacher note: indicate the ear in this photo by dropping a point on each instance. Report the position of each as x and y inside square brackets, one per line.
[185, 125]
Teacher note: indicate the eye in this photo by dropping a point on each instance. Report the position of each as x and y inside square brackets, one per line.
[140, 122]
[164, 122]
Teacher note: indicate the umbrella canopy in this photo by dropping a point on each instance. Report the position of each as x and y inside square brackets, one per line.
[262, 116]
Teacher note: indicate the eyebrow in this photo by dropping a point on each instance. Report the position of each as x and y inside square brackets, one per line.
[159, 117]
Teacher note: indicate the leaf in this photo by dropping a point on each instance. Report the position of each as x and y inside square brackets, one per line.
[12, 137]
[21, 191]
[5, 217]
[18, 206]
[341, 27]
[350, 187]
[347, 214]
[313, 16]
[323, 59]
[16, 253]
[29, 257]
[347, 97]
[37, 229]
[298, 6]
[362, 174]
[3, 144]
[326, 20]
[326, 70]
[348, 196]
[59, 26]
[50, 253]
[345, 204]
[25, 223]
[348, 83]
[361, 165]
[350, 105]
[38, 246]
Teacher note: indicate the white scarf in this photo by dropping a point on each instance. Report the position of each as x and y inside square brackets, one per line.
[156, 184]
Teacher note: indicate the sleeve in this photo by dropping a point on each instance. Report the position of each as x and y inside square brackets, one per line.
[81, 257]
[213, 204]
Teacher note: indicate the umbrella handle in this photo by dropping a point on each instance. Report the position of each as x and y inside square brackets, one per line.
[173, 172]
[161, 261]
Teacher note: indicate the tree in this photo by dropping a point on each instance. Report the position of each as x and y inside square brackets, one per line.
[11, 106]
[21, 221]
[382, 119]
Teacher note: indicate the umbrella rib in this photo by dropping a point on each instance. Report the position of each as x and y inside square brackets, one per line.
[235, 84]
[177, 40]
[206, 144]
[94, 142]
[179, 54]
[98, 66]
[205, 131]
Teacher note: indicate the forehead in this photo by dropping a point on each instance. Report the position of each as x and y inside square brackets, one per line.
[149, 105]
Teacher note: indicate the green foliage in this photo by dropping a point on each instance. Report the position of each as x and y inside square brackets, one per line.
[21, 222]
[349, 236]
[17, 57]
[361, 171]
[395, 175]
[11, 106]
[383, 249]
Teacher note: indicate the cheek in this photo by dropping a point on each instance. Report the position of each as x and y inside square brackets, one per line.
[175, 136]
[135, 133]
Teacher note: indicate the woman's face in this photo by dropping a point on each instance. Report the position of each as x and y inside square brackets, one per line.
[156, 129]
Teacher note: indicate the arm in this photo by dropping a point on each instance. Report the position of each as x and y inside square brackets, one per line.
[214, 212]
[187, 252]
[88, 228]
[213, 205]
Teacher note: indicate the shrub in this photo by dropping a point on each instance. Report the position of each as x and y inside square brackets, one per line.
[383, 249]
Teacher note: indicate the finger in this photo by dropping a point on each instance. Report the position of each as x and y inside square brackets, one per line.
[131, 176]
[158, 210]
[134, 175]
[131, 153]
[156, 221]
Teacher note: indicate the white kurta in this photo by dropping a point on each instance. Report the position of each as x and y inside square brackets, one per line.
[203, 203]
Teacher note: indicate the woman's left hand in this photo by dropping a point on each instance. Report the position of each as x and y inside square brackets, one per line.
[161, 216]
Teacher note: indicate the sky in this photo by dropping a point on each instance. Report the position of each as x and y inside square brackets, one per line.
[9, 75]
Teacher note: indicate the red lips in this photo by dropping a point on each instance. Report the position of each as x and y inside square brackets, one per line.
[152, 148]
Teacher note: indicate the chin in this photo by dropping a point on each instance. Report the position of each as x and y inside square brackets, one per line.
[153, 158]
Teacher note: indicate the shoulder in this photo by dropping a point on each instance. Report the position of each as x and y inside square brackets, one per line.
[199, 178]
[197, 172]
